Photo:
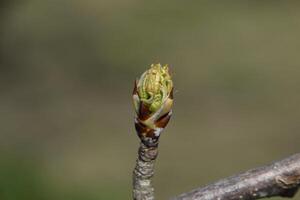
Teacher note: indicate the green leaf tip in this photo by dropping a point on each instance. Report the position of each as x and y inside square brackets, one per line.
[154, 86]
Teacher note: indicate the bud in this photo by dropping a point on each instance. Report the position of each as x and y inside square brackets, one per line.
[153, 100]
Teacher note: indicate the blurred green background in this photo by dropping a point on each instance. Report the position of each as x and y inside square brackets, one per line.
[66, 76]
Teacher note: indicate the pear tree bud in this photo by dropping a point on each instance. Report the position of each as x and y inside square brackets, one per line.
[153, 100]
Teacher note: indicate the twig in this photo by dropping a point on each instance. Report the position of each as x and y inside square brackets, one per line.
[281, 178]
[143, 172]
[153, 100]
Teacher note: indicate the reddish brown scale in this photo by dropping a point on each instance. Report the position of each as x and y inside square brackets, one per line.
[140, 127]
[150, 133]
[135, 88]
[163, 120]
[143, 131]
[171, 94]
[144, 112]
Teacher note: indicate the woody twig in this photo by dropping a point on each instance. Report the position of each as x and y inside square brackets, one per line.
[153, 100]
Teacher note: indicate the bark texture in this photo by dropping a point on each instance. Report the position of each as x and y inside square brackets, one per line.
[281, 178]
[143, 172]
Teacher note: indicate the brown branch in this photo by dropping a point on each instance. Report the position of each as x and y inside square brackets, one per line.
[281, 178]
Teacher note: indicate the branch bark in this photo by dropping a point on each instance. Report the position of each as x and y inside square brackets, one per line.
[143, 172]
[281, 178]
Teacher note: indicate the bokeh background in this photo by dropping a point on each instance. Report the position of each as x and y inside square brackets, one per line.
[66, 76]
